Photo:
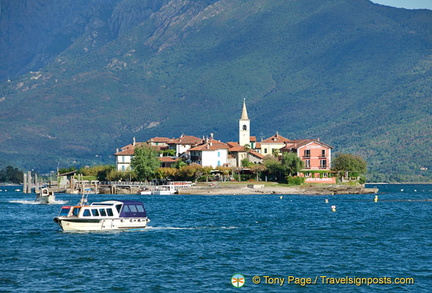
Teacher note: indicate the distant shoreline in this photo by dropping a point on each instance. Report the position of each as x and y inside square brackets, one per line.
[243, 189]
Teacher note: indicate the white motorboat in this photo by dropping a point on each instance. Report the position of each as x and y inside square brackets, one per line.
[101, 216]
[45, 196]
[159, 190]
[164, 190]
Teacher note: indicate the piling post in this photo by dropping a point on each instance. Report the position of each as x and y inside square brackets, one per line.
[29, 181]
[25, 183]
[36, 183]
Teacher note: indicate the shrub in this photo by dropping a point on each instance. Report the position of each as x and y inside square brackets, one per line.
[295, 180]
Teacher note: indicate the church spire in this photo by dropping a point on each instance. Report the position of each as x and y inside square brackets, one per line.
[244, 127]
[244, 115]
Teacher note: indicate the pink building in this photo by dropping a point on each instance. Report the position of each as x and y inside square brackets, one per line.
[316, 156]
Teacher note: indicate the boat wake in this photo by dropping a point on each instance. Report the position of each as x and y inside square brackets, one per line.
[38, 203]
[189, 228]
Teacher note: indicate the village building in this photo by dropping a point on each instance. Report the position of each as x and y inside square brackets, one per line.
[184, 143]
[210, 153]
[273, 144]
[315, 154]
[237, 153]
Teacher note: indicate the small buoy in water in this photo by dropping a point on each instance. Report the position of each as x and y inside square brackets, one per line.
[281, 197]
[402, 189]
[326, 200]
[333, 208]
[376, 198]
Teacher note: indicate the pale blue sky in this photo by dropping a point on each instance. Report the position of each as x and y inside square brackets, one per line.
[409, 4]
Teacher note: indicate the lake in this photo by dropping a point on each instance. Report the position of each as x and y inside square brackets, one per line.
[241, 243]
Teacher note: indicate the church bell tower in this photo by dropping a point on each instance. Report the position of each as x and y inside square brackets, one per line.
[244, 127]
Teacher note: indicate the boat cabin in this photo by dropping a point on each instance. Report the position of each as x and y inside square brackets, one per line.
[116, 209]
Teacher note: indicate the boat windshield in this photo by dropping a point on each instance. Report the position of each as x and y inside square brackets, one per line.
[64, 211]
[76, 211]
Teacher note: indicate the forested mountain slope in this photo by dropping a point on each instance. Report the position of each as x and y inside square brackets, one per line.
[81, 78]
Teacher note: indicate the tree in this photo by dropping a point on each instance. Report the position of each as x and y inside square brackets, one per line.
[224, 170]
[206, 170]
[145, 162]
[246, 163]
[291, 164]
[349, 163]
[274, 167]
[11, 175]
[165, 173]
[257, 169]
[190, 172]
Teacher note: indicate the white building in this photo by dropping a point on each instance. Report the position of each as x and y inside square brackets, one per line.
[211, 153]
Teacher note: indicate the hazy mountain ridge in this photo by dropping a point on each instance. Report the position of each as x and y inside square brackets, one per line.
[145, 68]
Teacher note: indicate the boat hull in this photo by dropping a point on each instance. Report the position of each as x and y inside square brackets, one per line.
[79, 224]
[45, 199]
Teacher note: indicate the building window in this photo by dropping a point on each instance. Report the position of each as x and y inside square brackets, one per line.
[323, 164]
[265, 151]
[323, 153]
[218, 155]
[244, 127]
[307, 164]
[307, 153]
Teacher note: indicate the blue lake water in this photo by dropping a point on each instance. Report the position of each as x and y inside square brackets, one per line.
[197, 243]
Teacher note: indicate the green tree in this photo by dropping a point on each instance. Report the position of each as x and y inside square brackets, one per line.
[11, 175]
[166, 173]
[206, 170]
[353, 164]
[291, 164]
[274, 167]
[246, 163]
[145, 162]
[257, 169]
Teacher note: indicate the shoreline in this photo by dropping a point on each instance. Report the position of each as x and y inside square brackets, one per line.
[245, 189]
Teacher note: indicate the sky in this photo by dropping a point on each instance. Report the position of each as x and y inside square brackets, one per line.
[409, 4]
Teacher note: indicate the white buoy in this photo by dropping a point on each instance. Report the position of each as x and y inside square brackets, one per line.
[333, 208]
[281, 197]
[326, 200]
[376, 198]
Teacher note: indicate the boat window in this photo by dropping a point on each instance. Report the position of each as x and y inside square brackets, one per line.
[64, 212]
[140, 208]
[95, 212]
[133, 208]
[102, 212]
[76, 211]
[118, 207]
[110, 212]
[126, 208]
[86, 213]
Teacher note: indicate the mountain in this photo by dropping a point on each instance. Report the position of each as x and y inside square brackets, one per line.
[80, 78]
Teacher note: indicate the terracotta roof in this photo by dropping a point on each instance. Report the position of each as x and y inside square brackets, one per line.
[277, 138]
[252, 139]
[232, 144]
[187, 139]
[238, 148]
[256, 154]
[129, 150]
[160, 139]
[168, 159]
[302, 142]
[210, 145]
